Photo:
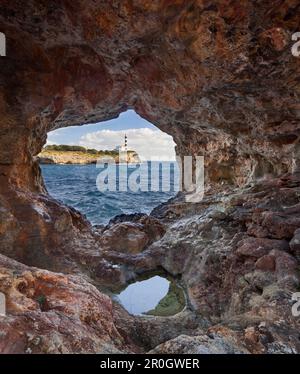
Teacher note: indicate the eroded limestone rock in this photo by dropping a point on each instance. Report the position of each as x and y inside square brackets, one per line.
[55, 313]
[220, 78]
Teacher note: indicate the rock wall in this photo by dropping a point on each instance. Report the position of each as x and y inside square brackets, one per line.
[218, 76]
[220, 70]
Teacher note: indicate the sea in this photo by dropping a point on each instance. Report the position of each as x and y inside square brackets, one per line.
[101, 193]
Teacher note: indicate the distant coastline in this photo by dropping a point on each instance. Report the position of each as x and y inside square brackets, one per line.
[77, 155]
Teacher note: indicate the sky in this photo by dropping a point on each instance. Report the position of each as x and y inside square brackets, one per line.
[143, 137]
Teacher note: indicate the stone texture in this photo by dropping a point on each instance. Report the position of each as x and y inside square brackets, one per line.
[54, 313]
[266, 263]
[220, 78]
[124, 237]
[256, 247]
[197, 345]
[233, 278]
[132, 235]
[295, 244]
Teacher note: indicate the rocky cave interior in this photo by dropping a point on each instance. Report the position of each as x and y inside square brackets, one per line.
[220, 78]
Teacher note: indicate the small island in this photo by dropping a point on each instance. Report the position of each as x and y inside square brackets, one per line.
[74, 154]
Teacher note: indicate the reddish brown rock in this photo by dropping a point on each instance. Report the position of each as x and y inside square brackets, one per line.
[230, 276]
[54, 313]
[295, 244]
[202, 344]
[277, 37]
[220, 78]
[287, 268]
[265, 263]
[258, 247]
[131, 237]
[281, 226]
[124, 237]
[251, 337]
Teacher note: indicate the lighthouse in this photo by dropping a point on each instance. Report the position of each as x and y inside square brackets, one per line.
[123, 147]
[125, 143]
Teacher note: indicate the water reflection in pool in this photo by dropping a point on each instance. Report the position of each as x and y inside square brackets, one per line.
[154, 296]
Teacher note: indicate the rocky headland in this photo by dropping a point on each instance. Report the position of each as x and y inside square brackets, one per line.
[80, 156]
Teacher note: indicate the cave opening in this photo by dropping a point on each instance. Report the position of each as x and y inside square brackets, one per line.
[121, 166]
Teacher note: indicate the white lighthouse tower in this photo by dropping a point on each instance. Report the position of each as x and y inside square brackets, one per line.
[122, 148]
[125, 143]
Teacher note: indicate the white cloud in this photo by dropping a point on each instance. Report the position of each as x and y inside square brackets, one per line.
[146, 142]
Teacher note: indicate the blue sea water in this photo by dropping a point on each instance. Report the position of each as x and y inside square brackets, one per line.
[75, 185]
[142, 296]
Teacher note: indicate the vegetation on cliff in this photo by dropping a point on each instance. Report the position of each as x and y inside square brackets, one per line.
[78, 148]
[74, 154]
